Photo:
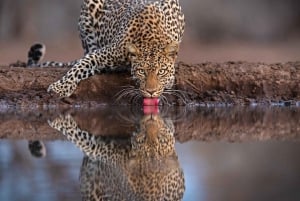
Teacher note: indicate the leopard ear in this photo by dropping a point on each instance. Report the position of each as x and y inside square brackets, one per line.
[132, 50]
[172, 49]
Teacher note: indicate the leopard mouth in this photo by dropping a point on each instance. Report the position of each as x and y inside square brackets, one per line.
[151, 101]
[150, 98]
[151, 106]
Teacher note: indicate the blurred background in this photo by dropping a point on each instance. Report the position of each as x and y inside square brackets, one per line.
[216, 30]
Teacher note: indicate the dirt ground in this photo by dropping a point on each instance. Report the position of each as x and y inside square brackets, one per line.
[229, 83]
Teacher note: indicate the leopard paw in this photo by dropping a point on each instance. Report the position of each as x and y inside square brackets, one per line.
[62, 88]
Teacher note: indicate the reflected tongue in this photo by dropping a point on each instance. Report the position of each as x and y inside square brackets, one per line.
[151, 101]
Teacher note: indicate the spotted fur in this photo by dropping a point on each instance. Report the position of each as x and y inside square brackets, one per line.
[143, 167]
[141, 34]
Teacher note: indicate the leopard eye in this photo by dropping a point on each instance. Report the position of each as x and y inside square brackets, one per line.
[162, 72]
[141, 71]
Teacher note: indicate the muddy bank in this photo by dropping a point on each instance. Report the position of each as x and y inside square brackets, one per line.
[238, 83]
[239, 124]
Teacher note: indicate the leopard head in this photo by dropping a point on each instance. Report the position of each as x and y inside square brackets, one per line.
[155, 137]
[152, 66]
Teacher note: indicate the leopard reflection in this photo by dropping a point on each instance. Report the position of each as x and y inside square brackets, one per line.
[142, 167]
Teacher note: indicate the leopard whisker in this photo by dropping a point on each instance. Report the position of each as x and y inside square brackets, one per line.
[128, 91]
[125, 88]
[182, 95]
[164, 100]
[136, 98]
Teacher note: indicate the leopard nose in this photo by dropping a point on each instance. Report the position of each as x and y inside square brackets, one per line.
[151, 92]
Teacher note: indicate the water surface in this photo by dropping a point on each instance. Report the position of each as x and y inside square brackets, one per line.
[224, 153]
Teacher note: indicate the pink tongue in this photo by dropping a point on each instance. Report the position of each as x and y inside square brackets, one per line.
[151, 101]
[151, 105]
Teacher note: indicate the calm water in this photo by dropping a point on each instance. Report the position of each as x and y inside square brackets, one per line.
[224, 153]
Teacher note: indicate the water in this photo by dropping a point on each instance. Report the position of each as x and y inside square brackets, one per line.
[245, 153]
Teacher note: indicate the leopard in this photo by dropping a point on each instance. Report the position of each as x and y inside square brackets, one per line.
[142, 167]
[141, 35]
